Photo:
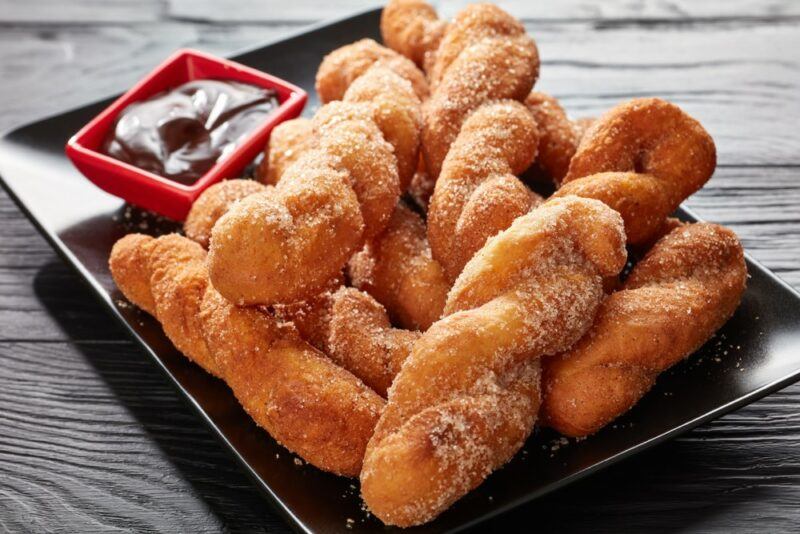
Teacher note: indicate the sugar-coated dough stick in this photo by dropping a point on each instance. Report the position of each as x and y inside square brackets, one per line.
[484, 55]
[674, 300]
[363, 341]
[477, 193]
[344, 65]
[397, 269]
[285, 244]
[213, 203]
[305, 401]
[642, 158]
[467, 397]
[412, 28]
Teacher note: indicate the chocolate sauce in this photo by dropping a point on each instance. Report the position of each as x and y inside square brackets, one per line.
[180, 134]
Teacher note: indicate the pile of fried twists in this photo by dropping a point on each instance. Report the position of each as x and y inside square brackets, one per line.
[390, 300]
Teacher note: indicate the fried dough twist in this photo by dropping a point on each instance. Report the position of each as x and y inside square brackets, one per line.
[363, 340]
[412, 28]
[309, 404]
[287, 142]
[558, 136]
[397, 269]
[484, 55]
[283, 245]
[213, 203]
[467, 397]
[343, 66]
[642, 158]
[477, 193]
[167, 278]
[674, 300]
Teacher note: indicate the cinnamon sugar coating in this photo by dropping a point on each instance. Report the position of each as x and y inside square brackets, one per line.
[213, 203]
[653, 156]
[343, 66]
[397, 269]
[477, 193]
[412, 28]
[283, 245]
[484, 55]
[467, 396]
[674, 300]
[287, 142]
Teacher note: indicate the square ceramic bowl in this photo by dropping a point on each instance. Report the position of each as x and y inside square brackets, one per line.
[156, 193]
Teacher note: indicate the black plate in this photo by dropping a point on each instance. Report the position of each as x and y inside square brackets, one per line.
[757, 352]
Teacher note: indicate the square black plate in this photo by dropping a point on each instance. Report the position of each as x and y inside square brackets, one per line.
[757, 352]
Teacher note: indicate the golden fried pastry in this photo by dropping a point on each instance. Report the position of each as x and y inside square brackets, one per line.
[129, 263]
[172, 269]
[642, 158]
[580, 126]
[287, 142]
[283, 245]
[484, 55]
[344, 65]
[467, 397]
[307, 403]
[363, 341]
[212, 204]
[397, 115]
[412, 28]
[421, 187]
[397, 269]
[674, 300]
[558, 136]
[311, 317]
[477, 193]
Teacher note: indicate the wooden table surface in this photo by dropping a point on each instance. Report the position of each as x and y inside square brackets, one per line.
[93, 439]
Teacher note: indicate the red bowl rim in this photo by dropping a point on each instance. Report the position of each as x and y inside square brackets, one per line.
[296, 97]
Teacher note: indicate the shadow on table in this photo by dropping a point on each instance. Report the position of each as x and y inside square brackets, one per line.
[672, 487]
[203, 462]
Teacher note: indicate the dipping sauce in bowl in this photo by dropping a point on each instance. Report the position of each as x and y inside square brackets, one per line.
[181, 133]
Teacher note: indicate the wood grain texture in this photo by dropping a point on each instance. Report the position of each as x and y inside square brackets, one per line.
[92, 439]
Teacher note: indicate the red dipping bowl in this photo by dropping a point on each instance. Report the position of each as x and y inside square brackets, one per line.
[156, 193]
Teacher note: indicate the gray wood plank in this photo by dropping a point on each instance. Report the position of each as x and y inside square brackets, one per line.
[87, 452]
[724, 86]
[257, 10]
[268, 11]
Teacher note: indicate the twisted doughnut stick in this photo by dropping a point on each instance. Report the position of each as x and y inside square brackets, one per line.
[674, 300]
[306, 402]
[484, 55]
[287, 142]
[311, 317]
[642, 158]
[285, 244]
[167, 278]
[213, 203]
[363, 341]
[558, 136]
[412, 28]
[467, 397]
[477, 193]
[397, 269]
[343, 66]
